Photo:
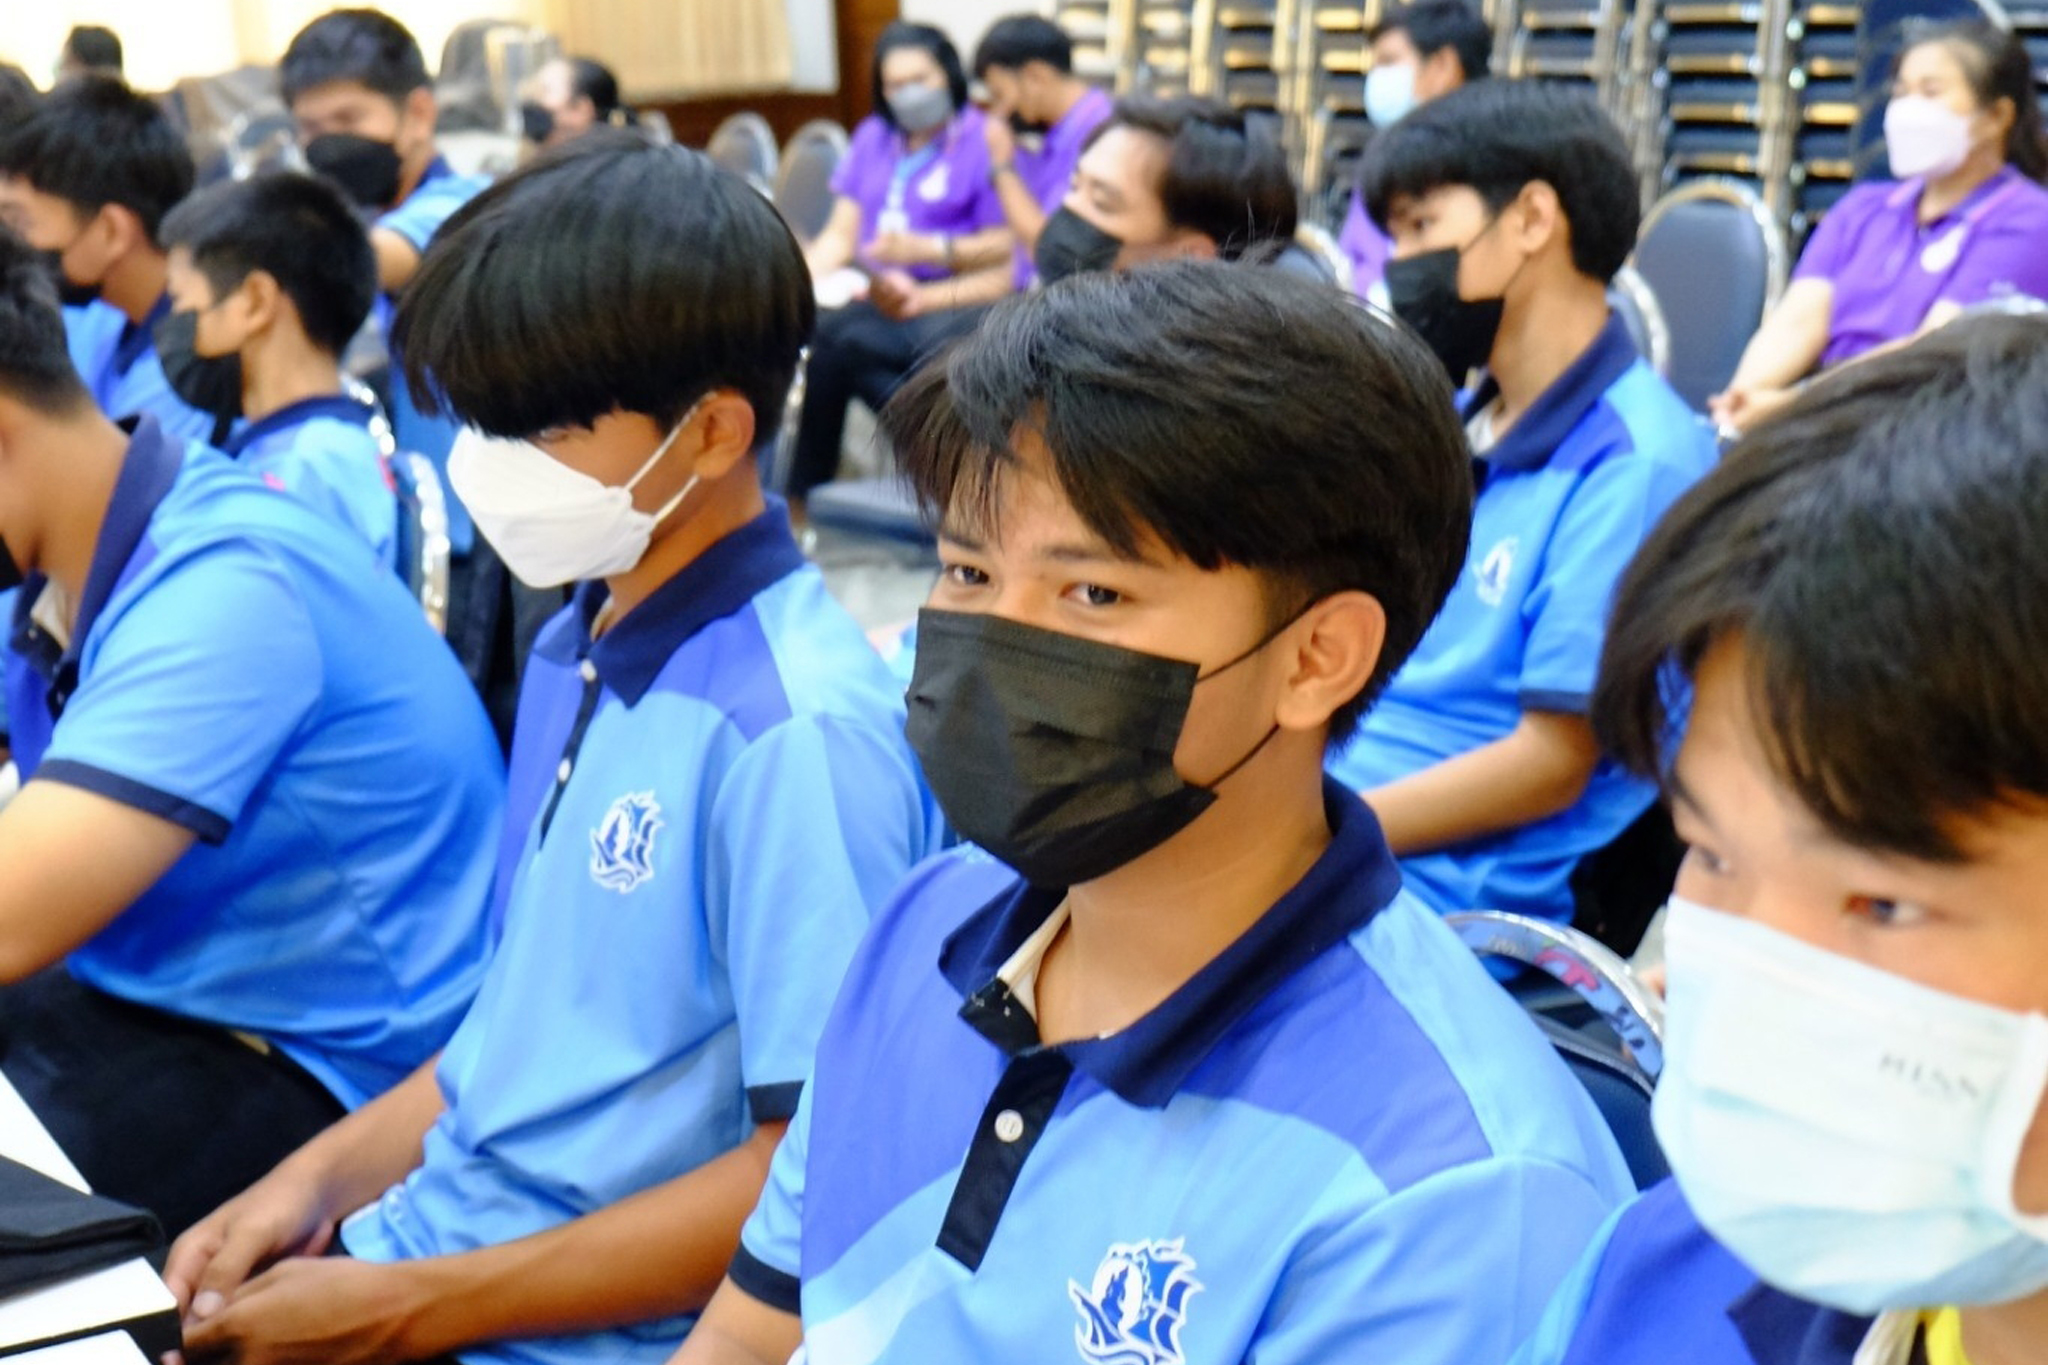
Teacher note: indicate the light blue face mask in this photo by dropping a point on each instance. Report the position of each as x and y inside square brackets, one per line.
[1390, 94]
[1852, 1137]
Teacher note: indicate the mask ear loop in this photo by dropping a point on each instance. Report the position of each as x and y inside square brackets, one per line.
[1270, 636]
[2010, 1121]
[677, 501]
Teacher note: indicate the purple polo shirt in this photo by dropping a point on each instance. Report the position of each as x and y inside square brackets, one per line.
[1367, 247]
[1888, 269]
[1049, 172]
[942, 187]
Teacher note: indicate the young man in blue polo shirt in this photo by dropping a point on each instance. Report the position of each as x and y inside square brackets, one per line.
[1511, 205]
[1185, 1076]
[710, 792]
[269, 279]
[256, 826]
[91, 175]
[1855, 1094]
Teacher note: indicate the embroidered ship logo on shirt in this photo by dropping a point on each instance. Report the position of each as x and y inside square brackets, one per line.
[622, 847]
[1496, 569]
[1133, 1313]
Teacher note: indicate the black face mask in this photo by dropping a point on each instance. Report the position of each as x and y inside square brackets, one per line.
[1024, 127]
[1424, 292]
[69, 294]
[1069, 244]
[1052, 752]
[210, 383]
[365, 169]
[536, 124]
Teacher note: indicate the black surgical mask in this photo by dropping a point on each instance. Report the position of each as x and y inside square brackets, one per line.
[1025, 127]
[1424, 292]
[210, 383]
[536, 124]
[70, 294]
[1052, 752]
[365, 169]
[1069, 244]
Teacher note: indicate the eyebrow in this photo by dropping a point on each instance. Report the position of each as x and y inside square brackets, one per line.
[1064, 552]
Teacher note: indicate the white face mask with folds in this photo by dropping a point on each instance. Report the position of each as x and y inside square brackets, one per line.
[1925, 138]
[550, 524]
[1851, 1136]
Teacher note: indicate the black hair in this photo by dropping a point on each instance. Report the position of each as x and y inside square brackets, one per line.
[1224, 178]
[682, 279]
[1499, 136]
[1018, 39]
[1876, 550]
[1238, 414]
[1998, 67]
[19, 97]
[95, 142]
[925, 38]
[1433, 25]
[293, 227]
[593, 80]
[365, 46]
[35, 359]
[94, 47]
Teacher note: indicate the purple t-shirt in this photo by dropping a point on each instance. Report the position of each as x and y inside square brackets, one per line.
[1888, 270]
[942, 187]
[1368, 247]
[1049, 171]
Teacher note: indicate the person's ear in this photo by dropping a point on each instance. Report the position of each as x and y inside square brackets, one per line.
[115, 231]
[1438, 74]
[256, 302]
[1337, 646]
[417, 115]
[2003, 114]
[726, 422]
[1535, 218]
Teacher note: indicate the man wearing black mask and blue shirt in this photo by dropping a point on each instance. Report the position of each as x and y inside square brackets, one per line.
[1167, 1067]
[1511, 205]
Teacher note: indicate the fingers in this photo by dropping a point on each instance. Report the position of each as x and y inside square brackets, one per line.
[190, 1255]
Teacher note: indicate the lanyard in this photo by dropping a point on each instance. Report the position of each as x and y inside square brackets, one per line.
[909, 168]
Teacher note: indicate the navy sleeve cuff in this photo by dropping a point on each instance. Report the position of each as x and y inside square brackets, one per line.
[1565, 703]
[210, 826]
[773, 1103]
[762, 1281]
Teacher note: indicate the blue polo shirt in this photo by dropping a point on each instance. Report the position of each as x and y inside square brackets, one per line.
[707, 804]
[1338, 1141]
[117, 360]
[320, 450]
[1656, 1289]
[1564, 500]
[233, 670]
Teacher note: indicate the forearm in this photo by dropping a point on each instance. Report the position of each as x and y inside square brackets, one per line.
[1537, 770]
[832, 251]
[359, 1157]
[1790, 342]
[738, 1329]
[658, 1253]
[977, 251]
[1020, 209]
[966, 291]
[398, 260]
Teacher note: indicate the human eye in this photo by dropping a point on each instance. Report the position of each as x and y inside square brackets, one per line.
[1885, 912]
[1094, 595]
[957, 575]
[1704, 860]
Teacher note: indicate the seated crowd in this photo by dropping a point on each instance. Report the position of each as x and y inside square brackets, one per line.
[1091, 995]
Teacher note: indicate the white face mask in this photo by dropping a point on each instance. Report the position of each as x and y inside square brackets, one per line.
[1925, 138]
[550, 524]
[1389, 94]
[1851, 1136]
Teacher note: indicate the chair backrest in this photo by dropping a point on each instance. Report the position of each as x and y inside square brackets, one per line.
[1619, 1080]
[782, 457]
[1716, 261]
[1320, 250]
[424, 549]
[262, 139]
[803, 189]
[1630, 297]
[745, 145]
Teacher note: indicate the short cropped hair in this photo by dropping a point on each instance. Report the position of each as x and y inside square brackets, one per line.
[19, 97]
[365, 46]
[1876, 550]
[95, 142]
[1018, 39]
[593, 80]
[1433, 25]
[35, 360]
[1224, 178]
[1497, 137]
[94, 47]
[295, 228]
[1238, 414]
[608, 274]
[924, 38]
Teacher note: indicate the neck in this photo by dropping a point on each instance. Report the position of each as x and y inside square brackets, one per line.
[135, 284]
[919, 141]
[81, 461]
[726, 505]
[1939, 196]
[276, 375]
[1071, 94]
[1541, 338]
[1137, 935]
[2008, 1333]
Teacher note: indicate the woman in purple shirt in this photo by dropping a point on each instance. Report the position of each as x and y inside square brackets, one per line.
[1966, 223]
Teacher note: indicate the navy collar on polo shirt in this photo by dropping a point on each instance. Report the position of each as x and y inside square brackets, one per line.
[727, 576]
[1782, 1330]
[139, 338]
[1148, 1062]
[1538, 432]
[338, 405]
[148, 470]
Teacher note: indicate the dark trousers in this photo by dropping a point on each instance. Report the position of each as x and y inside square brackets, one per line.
[858, 353]
[165, 1113]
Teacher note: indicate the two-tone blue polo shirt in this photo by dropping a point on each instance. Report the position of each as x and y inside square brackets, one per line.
[707, 804]
[1338, 1141]
[320, 451]
[1656, 1289]
[1565, 498]
[117, 360]
[232, 669]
